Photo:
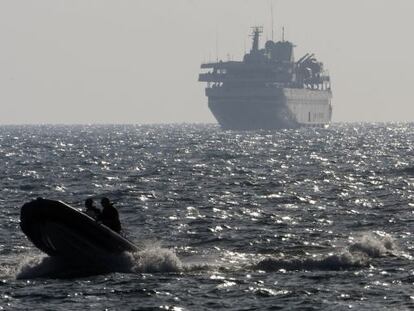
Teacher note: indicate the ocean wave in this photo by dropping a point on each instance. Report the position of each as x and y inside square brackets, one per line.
[409, 170]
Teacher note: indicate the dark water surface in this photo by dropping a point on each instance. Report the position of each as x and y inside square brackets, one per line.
[309, 219]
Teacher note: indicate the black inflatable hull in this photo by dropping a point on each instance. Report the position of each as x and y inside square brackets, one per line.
[59, 230]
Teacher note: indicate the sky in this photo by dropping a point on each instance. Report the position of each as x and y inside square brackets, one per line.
[137, 61]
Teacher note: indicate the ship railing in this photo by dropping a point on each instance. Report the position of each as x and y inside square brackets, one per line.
[211, 77]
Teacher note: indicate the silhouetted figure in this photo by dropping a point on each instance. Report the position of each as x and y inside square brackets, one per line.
[91, 209]
[110, 216]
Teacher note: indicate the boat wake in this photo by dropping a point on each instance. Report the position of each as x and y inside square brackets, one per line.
[155, 259]
[358, 255]
[148, 260]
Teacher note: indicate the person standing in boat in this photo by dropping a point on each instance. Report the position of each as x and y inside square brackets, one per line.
[91, 209]
[110, 216]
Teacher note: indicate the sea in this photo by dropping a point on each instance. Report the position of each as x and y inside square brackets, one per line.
[306, 219]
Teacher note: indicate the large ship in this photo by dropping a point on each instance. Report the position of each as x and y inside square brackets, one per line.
[268, 89]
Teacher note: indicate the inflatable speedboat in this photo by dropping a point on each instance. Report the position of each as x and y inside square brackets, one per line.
[60, 230]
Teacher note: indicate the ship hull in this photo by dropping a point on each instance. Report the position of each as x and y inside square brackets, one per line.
[269, 107]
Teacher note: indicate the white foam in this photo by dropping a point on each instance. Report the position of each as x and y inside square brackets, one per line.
[33, 266]
[374, 246]
[150, 260]
[7, 271]
[358, 254]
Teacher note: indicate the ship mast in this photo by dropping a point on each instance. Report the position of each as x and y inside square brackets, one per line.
[256, 34]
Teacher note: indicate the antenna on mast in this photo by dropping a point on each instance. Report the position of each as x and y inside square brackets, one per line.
[257, 30]
[283, 34]
[271, 15]
[217, 51]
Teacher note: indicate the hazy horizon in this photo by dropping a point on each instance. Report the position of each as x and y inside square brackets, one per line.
[137, 62]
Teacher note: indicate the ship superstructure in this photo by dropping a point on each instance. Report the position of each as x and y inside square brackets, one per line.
[268, 89]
